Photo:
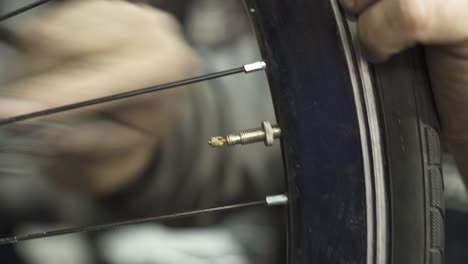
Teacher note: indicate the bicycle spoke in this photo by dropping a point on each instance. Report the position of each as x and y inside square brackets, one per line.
[22, 9]
[268, 201]
[248, 68]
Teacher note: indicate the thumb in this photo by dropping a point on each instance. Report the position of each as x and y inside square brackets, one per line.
[389, 26]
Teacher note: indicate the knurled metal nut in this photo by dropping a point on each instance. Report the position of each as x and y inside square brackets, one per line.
[269, 133]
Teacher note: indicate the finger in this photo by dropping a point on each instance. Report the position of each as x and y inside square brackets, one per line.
[356, 6]
[91, 155]
[103, 75]
[11, 107]
[390, 26]
[77, 28]
[447, 68]
[70, 28]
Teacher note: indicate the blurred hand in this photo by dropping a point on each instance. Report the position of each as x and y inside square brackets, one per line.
[79, 50]
[386, 27]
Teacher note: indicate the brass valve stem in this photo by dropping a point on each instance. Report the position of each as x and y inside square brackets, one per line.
[266, 133]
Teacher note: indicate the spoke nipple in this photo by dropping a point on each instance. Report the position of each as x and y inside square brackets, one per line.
[274, 200]
[256, 66]
[266, 133]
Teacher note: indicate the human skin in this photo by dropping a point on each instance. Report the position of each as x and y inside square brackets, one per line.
[386, 27]
[80, 50]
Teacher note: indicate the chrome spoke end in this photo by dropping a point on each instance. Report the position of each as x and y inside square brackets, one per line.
[275, 200]
[255, 66]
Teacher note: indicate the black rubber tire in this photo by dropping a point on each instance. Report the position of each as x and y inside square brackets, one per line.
[413, 156]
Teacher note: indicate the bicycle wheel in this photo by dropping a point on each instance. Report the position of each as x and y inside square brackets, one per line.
[360, 142]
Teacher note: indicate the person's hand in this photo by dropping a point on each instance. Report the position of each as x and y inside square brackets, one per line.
[79, 50]
[386, 27]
